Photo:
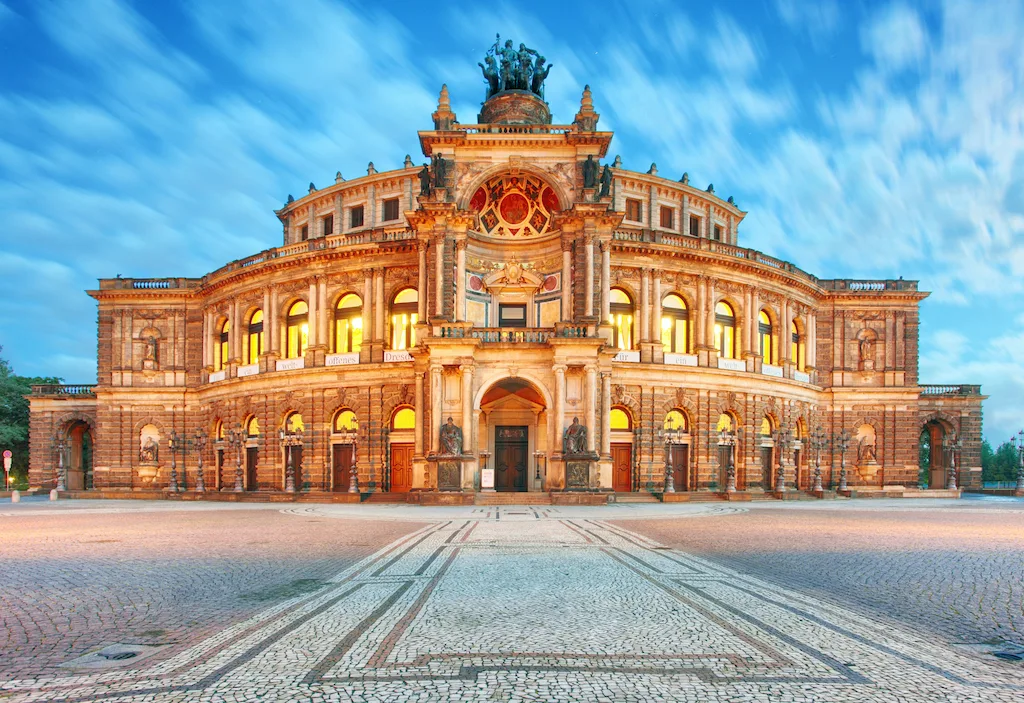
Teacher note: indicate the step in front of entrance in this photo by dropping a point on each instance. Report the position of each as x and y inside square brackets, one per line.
[638, 497]
[512, 499]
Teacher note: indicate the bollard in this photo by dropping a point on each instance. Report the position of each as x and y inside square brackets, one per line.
[15, 496]
[53, 494]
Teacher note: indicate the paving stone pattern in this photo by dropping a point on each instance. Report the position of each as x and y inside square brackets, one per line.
[524, 606]
[956, 572]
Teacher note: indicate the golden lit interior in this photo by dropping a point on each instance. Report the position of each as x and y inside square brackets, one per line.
[252, 428]
[218, 432]
[297, 330]
[764, 337]
[348, 324]
[724, 423]
[404, 318]
[797, 349]
[675, 420]
[621, 317]
[766, 427]
[294, 423]
[674, 325]
[222, 346]
[345, 420]
[255, 337]
[404, 419]
[619, 419]
[725, 331]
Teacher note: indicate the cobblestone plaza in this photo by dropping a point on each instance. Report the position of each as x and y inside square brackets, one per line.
[825, 601]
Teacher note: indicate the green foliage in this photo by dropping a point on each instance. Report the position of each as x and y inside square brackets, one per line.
[14, 416]
[1000, 465]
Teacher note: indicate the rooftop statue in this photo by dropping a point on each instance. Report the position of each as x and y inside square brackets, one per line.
[505, 68]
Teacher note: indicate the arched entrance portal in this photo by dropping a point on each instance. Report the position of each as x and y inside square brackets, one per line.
[513, 425]
[78, 466]
[931, 455]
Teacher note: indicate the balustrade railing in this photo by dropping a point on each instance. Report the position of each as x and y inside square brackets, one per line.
[64, 389]
[515, 335]
[513, 129]
[952, 389]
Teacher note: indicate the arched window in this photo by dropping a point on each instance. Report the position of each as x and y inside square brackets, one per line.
[676, 420]
[764, 337]
[345, 421]
[725, 331]
[675, 325]
[252, 427]
[297, 330]
[404, 317]
[218, 431]
[620, 419]
[294, 423]
[255, 337]
[221, 360]
[724, 423]
[797, 350]
[348, 324]
[620, 315]
[403, 419]
[766, 427]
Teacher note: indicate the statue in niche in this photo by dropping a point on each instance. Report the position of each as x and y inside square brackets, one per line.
[606, 182]
[424, 176]
[451, 439]
[590, 172]
[151, 349]
[150, 452]
[866, 452]
[866, 351]
[440, 171]
[574, 440]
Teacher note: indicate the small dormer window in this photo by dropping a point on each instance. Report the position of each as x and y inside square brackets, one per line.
[667, 217]
[718, 233]
[391, 210]
[694, 226]
[329, 225]
[304, 233]
[633, 210]
[355, 216]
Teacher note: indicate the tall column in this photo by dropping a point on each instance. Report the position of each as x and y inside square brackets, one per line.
[325, 316]
[656, 308]
[588, 300]
[271, 316]
[369, 333]
[606, 280]
[207, 338]
[645, 305]
[812, 339]
[566, 281]
[784, 332]
[755, 310]
[313, 337]
[684, 216]
[709, 322]
[697, 316]
[421, 282]
[418, 400]
[267, 314]
[236, 332]
[743, 327]
[338, 213]
[378, 320]
[559, 405]
[467, 409]
[591, 405]
[439, 276]
[606, 414]
[435, 407]
[460, 280]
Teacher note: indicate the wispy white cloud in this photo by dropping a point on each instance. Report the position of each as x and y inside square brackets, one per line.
[819, 19]
[895, 37]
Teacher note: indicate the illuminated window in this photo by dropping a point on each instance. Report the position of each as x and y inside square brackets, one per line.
[620, 419]
[252, 427]
[297, 330]
[221, 359]
[255, 337]
[667, 217]
[390, 210]
[676, 420]
[675, 325]
[633, 210]
[724, 423]
[764, 337]
[294, 423]
[621, 318]
[404, 318]
[404, 419]
[345, 421]
[348, 324]
[766, 427]
[797, 350]
[725, 331]
[218, 431]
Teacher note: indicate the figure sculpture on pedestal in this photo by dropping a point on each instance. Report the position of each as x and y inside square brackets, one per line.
[150, 451]
[424, 176]
[574, 441]
[491, 75]
[505, 68]
[451, 439]
[606, 182]
[590, 172]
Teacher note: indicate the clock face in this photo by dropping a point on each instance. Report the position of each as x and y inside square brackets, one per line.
[519, 206]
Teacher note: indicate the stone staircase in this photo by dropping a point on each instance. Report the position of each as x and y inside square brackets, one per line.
[638, 497]
[512, 499]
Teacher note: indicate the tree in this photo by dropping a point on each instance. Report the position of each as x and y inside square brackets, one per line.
[988, 459]
[14, 416]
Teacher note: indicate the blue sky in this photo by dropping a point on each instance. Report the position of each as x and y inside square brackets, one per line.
[866, 139]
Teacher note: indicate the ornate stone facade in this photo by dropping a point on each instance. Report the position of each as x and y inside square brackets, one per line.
[510, 288]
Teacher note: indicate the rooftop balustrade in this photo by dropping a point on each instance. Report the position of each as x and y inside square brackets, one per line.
[950, 390]
[64, 390]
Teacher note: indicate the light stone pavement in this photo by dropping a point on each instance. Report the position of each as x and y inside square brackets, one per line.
[539, 604]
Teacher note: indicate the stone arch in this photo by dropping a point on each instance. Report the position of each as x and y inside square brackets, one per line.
[565, 199]
[621, 396]
[498, 376]
[951, 423]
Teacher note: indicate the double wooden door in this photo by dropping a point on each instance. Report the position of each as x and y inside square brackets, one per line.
[401, 467]
[511, 447]
[679, 465]
[622, 467]
[341, 467]
[252, 460]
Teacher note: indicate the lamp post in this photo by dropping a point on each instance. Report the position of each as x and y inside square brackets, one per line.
[236, 439]
[669, 436]
[953, 445]
[537, 456]
[199, 443]
[352, 436]
[385, 458]
[819, 440]
[783, 437]
[1019, 442]
[842, 443]
[727, 438]
[174, 444]
[59, 446]
[289, 439]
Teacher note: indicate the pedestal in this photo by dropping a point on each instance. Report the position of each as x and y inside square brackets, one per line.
[579, 472]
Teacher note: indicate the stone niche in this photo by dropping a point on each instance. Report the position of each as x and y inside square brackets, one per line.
[514, 107]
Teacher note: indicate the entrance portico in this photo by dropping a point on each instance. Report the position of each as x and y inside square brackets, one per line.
[513, 427]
